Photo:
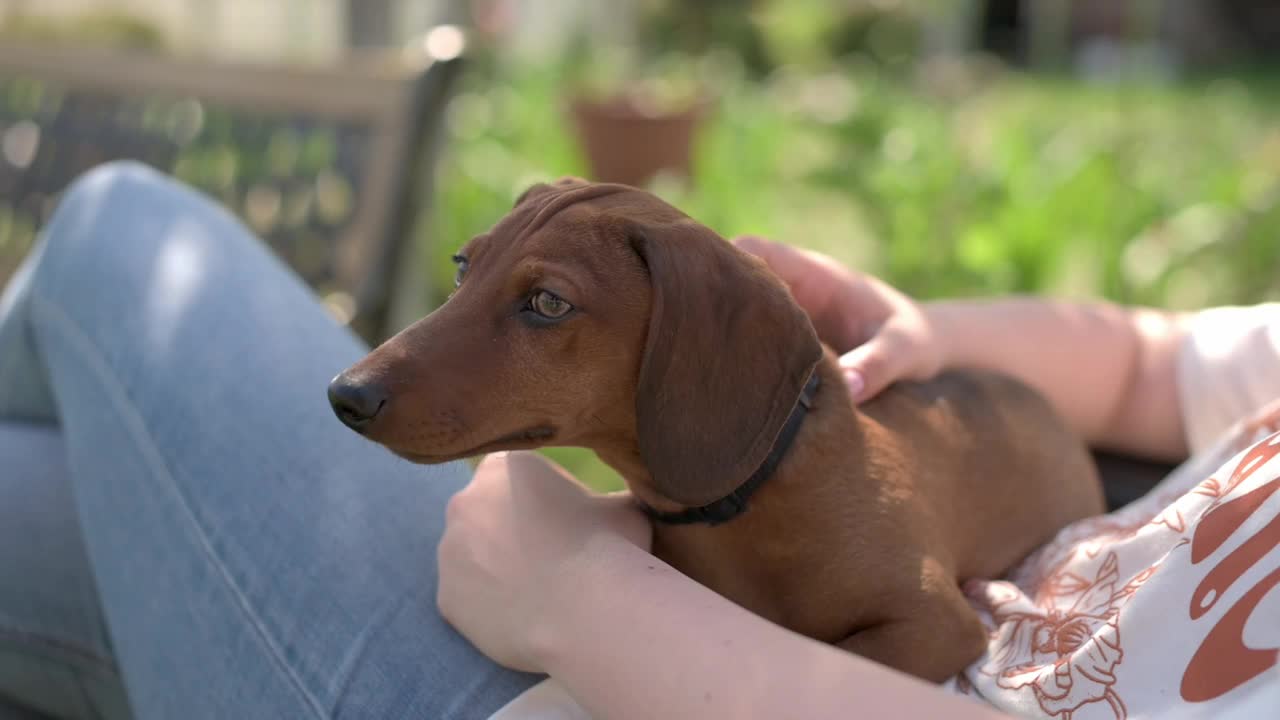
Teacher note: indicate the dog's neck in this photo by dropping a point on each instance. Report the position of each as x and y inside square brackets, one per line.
[831, 411]
[734, 503]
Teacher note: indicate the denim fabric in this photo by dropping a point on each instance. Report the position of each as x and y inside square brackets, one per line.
[185, 529]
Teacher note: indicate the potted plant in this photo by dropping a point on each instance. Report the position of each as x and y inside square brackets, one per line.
[637, 111]
[636, 120]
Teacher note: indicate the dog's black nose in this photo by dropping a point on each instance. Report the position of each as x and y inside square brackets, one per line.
[356, 404]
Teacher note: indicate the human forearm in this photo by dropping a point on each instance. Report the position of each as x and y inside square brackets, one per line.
[1109, 370]
[636, 639]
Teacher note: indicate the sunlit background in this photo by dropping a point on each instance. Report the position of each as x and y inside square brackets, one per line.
[1110, 148]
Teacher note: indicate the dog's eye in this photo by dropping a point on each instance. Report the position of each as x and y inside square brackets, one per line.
[462, 263]
[549, 305]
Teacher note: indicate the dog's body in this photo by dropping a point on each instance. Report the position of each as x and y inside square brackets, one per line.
[678, 361]
[929, 483]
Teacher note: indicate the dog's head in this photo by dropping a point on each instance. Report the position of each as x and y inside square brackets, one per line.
[598, 316]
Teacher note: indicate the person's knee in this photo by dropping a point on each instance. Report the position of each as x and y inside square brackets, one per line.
[111, 212]
[115, 173]
[94, 191]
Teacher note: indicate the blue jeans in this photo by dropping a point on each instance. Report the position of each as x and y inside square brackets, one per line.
[186, 531]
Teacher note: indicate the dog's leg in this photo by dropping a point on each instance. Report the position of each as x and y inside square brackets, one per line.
[937, 636]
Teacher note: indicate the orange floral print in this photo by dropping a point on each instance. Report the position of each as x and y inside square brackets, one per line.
[1064, 646]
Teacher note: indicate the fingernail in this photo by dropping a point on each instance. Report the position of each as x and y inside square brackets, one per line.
[855, 381]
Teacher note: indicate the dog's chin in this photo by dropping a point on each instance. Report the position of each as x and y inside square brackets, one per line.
[530, 439]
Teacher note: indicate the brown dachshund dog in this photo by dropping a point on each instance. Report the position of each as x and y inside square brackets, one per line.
[598, 316]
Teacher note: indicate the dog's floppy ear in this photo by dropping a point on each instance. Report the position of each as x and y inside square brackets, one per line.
[540, 189]
[727, 355]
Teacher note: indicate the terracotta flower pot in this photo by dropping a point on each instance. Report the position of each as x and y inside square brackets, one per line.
[627, 142]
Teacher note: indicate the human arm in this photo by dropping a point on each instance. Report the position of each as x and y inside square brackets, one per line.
[639, 640]
[1110, 371]
[543, 576]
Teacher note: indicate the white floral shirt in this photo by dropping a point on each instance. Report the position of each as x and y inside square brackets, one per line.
[1169, 607]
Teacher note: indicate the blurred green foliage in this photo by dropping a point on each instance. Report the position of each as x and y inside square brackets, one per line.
[765, 34]
[965, 179]
[947, 178]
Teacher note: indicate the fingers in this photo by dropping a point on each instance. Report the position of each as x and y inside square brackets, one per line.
[890, 339]
[788, 262]
[815, 281]
[877, 363]
[785, 261]
[526, 465]
[753, 244]
[490, 466]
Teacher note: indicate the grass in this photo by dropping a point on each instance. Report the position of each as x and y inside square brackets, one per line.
[961, 182]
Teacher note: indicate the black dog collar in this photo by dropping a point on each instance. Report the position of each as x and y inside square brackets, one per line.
[733, 504]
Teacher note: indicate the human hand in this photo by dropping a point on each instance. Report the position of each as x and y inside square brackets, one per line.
[517, 541]
[883, 334]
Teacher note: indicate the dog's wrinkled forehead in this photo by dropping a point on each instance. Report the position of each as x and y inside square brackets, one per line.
[578, 203]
